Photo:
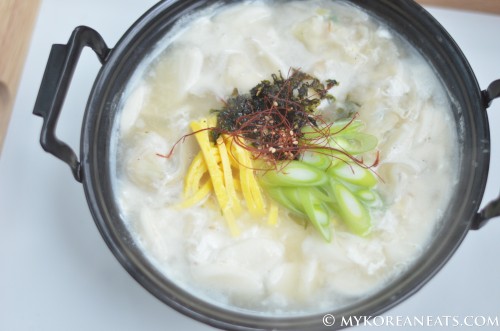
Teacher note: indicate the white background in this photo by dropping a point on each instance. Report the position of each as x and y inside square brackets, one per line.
[56, 272]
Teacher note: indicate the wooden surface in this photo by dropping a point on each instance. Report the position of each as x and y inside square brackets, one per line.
[486, 6]
[17, 19]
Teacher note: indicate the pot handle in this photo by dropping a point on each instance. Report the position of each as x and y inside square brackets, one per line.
[56, 80]
[493, 208]
[491, 93]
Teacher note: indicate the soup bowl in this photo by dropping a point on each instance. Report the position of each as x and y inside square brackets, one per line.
[95, 171]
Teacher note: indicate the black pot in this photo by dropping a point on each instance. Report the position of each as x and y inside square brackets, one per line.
[93, 169]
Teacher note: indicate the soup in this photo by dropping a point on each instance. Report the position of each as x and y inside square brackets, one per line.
[285, 266]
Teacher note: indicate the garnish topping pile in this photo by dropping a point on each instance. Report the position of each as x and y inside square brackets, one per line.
[270, 118]
[272, 147]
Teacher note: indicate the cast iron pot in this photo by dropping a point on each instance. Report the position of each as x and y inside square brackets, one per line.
[93, 168]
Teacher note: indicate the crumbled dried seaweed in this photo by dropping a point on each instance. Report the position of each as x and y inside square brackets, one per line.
[271, 116]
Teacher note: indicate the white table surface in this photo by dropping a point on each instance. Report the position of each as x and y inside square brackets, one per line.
[56, 273]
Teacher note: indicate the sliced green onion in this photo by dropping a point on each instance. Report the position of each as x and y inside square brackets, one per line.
[321, 193]
[288, 198]
[318, 159]
[317, 214]
[354, 143]
[337, 128]
[327, 182]
[354, 174]
[346, 125]
[294, 174]
[369, 197]
[351, 210]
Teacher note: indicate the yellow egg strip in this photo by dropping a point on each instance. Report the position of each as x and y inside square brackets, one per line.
[228, 176]
[197, 169]
[237, 184]
[249, 185]
[198, 196]
[216, 173]
[257, 199]
[194, 174]
[272, 218]
[232, 158]
[229, 169]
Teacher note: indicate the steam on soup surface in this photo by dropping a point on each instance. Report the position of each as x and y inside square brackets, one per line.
[284, 267]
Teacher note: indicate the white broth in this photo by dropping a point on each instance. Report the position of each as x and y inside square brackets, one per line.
[284, 268]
